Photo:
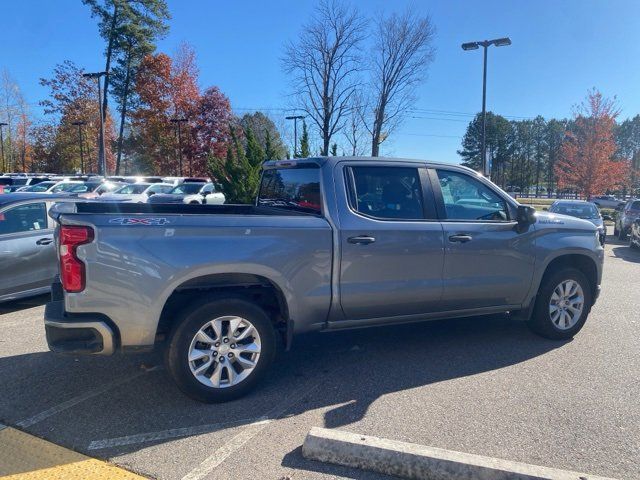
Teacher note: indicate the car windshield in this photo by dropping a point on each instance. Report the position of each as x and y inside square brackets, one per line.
[40, 187]
[587, 211]
[187, 189]
[133, 189]
[64, 187]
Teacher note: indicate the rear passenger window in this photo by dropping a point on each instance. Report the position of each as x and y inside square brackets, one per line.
[24, 218]
[292, 188]
[389, 193]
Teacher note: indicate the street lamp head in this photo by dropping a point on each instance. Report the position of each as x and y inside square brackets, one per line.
[79, 123]
[94, 75]
[470, 46]
[2, 124]
[295, 117]
[177, 120]
[501, 42]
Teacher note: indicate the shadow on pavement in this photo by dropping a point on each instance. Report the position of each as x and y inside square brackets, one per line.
[351, 369]
[17, 305]
[626, 253]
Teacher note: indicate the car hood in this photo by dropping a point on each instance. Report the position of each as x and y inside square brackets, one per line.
[557, 220]
[166, 198]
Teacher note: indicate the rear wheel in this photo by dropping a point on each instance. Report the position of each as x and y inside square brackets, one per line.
[563, 304]
[220, 349]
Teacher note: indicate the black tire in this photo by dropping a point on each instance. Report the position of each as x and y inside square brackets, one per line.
[540, 321]
[615, 229]
[190, 322]
[193, 202]
[632, 244]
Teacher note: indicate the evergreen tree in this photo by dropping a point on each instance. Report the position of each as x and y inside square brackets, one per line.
[239, 172]
[304, 143]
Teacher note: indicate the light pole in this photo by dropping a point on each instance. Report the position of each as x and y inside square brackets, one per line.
[498, 42]
[295, 119]
[102, 166]
[79, 124]
[2, 125]
[178, 121]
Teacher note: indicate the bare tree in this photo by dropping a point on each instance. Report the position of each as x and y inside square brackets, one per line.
[324, 63]
[355, 129]
[401, 54]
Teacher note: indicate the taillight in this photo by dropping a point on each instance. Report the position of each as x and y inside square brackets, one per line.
[72, 271]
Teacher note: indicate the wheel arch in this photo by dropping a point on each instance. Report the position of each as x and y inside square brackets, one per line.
[582, 262]
[252, 287]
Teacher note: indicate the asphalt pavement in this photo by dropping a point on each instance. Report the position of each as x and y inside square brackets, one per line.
[481, 385]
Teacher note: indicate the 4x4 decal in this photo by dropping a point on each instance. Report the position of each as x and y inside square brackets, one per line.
[140, 221]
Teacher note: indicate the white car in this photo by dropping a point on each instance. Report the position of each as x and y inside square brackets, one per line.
[192, 193]
[137, 192]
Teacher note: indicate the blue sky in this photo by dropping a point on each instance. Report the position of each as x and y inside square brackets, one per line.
[560, 50]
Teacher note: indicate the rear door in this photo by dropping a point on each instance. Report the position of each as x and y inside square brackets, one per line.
[390, 240]
[27, 250]
[487, 262]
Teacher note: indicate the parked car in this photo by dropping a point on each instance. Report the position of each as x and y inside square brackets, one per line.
[96, 189]
[634, 237]
[191, 193]
[27, 251]
[581, 209]
[607, 201]
[331, 243]
[137, 192]
[51, 186]
[629, 213]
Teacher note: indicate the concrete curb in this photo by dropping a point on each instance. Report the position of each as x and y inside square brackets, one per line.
[418, 462]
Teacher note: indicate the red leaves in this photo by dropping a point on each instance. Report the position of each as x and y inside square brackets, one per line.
[587, 162]
[168, 88]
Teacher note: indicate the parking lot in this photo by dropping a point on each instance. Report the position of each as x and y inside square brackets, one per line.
[479, 385]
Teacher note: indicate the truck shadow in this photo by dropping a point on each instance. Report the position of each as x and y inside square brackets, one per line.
[17, 305]
[626, 253]
[343, 373]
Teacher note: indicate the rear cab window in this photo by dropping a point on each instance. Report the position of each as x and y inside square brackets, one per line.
[295, 188]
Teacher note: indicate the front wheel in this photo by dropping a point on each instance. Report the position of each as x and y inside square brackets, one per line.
[562, 306]
[220, 349]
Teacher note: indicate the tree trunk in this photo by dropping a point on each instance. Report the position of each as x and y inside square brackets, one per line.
[108, 65]
[123, 113]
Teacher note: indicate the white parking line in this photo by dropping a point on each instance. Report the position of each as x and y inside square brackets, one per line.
[171, 433]
[27, 422]
[237, 442]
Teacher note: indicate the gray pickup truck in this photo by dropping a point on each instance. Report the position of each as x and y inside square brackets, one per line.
[331, 243]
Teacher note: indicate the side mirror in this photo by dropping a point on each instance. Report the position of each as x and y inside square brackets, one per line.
[150, 193]
[607, 217]
[204, 194]
[526, 215]
[545, 209]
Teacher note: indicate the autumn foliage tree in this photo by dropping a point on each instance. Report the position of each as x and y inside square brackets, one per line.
[74, 98]
[587, 161]
[167, 88]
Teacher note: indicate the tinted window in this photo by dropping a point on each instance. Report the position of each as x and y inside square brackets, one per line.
[133, 189]
[294, 188]
[187, 189]
[24, 218]
[388, 192]
[635, 206]
[40, 187]
[466, 198]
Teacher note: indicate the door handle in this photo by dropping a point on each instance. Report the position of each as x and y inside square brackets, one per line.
[460, 237]
[361, 239]
[44, 241]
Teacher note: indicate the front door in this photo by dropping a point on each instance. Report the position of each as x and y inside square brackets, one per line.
[487, 261]
[27, 249]
[391, 242]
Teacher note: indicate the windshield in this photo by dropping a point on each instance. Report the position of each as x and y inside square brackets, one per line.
[587, 211]
[187, 189]
[294, 188]
[64, 187]
[133, 189]
[40, 187]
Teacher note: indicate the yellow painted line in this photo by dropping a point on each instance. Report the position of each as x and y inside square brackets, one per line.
[25, 457]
